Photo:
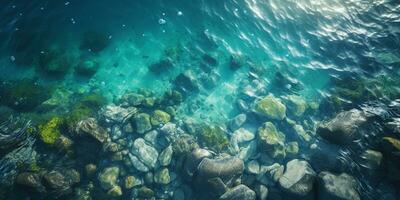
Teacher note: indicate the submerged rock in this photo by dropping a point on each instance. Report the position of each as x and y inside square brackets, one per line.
[50, 132]
[296, 105]
[301, 132]
[337, 187]
[145, 153]
[142, 123]
[61, 183]
[343, 128]
[192, 161]
[271, 140]
[271, 107]
[213, 137]
[116, 114]
[161, 66]
[166, 156]
[136, 163]
[159, 117]
[187, 82]
[91, 128]
[371, 160]
[239, 137]
[237, 122]
[87, 68]
[108, 177]
[253, 167]
[225, 168]
[240, 192]
[23, 95]
[298, 178]
[162, 177]
[30, 180]
[54, 62]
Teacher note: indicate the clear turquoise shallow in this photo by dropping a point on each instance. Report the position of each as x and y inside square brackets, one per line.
[316, 45]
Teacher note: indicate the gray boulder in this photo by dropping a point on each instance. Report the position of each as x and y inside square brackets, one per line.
[343, 128]
[145, 153]
[298, 178]
[240, 192]
[91, 128]
[337, 187]
[225, 168]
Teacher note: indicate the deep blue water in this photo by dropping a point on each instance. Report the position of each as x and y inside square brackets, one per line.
[336, 55]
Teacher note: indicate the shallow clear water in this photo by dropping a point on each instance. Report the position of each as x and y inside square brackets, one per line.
[223, 57]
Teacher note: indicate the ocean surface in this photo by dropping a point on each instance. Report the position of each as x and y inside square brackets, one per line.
[82, 84]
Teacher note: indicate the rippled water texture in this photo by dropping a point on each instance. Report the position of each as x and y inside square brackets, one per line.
[64, 61]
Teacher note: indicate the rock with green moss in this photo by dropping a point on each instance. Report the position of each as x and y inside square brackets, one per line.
[145, 192]
[296, 105]
[78, 113]
[292, 148]
[23, 95]
[271, 107]
[160, 117]
[85, 108]
[108, 178]
[93, 100]
[213, 137]
[60, 97]
[301, 132]
[50, 132]
[162, 177]
[142, 123]
[184, 144]
[272, 141]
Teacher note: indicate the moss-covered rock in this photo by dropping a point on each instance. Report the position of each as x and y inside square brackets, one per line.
[23, 95]
[60, 97]
[184, 144]
[93, 100]
[296, 105]
[162, 177]
[142, 123]
[271, 107]
[160, 117]
[50, 132]
[271, 140]
[213, 137]
[87, 106]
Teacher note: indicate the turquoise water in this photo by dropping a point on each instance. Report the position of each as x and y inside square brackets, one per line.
[202, 63]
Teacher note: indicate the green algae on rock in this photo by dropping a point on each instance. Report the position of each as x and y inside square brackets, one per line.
[272, 140]
[271, 107]
[213, 137]
[50, 132]
[142, 123]
[23, 95]
[159, 117]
